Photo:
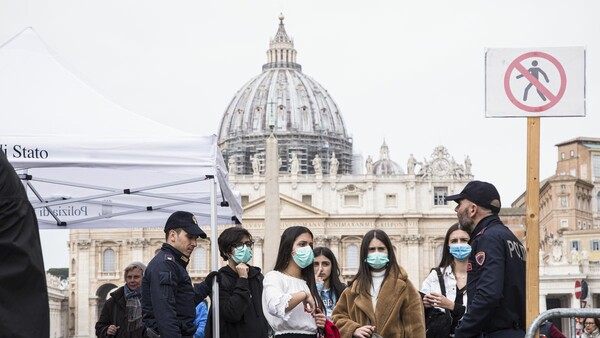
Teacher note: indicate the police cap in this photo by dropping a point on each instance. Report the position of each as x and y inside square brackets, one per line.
[186, 221]
[481, 193]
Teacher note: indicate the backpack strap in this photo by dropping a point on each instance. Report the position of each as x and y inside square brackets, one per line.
[441, 279]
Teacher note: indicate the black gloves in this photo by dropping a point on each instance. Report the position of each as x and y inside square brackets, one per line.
[210, 278]
[204, 288]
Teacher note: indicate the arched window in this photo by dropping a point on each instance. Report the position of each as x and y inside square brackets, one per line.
[108, 261]
[352, 256]
[199, 260]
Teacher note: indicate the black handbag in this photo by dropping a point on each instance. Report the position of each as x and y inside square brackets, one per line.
[438, 322]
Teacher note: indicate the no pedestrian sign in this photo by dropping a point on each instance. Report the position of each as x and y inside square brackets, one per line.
[535, 82]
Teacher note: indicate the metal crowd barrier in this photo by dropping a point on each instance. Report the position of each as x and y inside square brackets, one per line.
[559, 313]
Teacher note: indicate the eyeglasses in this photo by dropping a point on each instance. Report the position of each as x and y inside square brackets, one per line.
[248, 244]
[592, 323]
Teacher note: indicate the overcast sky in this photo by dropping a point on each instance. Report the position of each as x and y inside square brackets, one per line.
[412, 72]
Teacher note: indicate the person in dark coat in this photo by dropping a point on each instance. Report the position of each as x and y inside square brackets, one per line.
[121, 315]
[240, 289]
[496, 267]
[24, 310]
[168, 296]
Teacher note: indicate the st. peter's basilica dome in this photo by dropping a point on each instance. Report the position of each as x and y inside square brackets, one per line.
[297, 109]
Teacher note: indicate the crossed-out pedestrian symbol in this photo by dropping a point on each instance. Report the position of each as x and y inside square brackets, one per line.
[535, 71]
[532, 75]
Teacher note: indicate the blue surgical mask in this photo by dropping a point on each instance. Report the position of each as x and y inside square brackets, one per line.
[242, 255]
[460, 251]
[304, 256]
[377, 260]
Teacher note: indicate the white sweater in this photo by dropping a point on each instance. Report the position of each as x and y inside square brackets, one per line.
[376, 286]
[277, 292]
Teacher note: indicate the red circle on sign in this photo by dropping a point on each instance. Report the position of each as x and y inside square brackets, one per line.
[577, 289]
[557, 97]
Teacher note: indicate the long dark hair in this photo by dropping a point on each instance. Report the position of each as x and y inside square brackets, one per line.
[284, 255]
[447, 258]
[334, 278]
[363, 276]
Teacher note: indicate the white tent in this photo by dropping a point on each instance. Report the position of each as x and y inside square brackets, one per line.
[89, 163]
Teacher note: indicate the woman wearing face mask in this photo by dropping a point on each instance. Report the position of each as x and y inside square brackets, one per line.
[240, 289]
[453, 267]
[381, 301]
[291, 302]
[327, 274]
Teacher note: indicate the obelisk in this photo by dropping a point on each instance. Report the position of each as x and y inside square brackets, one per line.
[272, 205]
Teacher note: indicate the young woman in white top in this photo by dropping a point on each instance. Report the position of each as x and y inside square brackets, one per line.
[291, 302]
[453, 266]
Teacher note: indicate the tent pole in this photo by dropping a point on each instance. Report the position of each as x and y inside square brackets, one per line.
[214, 255]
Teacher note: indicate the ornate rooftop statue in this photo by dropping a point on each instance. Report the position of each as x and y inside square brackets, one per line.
[333, 165]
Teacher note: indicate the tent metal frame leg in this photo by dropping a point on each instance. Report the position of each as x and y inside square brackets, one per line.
[214, 258]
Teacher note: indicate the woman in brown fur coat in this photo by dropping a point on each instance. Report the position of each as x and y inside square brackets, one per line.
[381, 301]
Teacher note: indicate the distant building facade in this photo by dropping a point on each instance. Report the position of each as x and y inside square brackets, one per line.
[58, 297]
[570, 226]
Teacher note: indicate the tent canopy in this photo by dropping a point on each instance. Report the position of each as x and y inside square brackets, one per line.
[89, 163]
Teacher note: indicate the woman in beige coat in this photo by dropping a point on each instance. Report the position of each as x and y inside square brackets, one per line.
[381, 301]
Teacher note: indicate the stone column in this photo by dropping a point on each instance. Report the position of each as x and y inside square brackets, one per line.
[542, 303]
[334, 245]
[321, 241]
[272, 205]
[412, 226]
[413, 259]
[93, 301]
[136, 249]
[82, 307]
[257, 253]
[411, 195]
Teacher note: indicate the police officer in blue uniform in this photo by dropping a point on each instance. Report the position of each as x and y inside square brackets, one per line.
[167, 293]
[496, 268]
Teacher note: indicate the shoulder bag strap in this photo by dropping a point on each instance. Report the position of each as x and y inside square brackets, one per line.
[441, 279]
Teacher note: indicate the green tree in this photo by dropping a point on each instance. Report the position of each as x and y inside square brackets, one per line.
[59, 272]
